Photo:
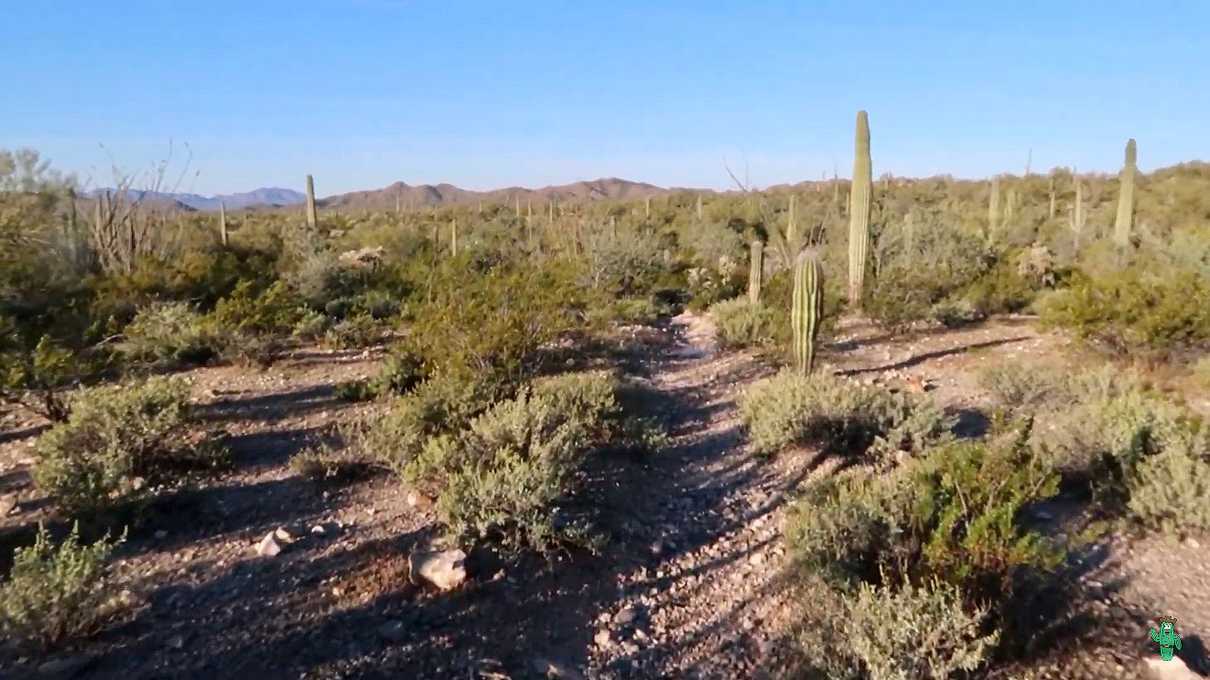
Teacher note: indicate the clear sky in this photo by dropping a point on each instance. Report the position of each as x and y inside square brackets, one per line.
[487, 94]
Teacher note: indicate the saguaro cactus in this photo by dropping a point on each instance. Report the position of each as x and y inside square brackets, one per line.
[1077, 211]
[699, 207]
[1121, 229]
[312, 215]
[859, 209]
[756, 257]
[1051, 191]
[994, 211]
[806, 308]
[454, 237]
[222, 223]
[792, 226]
[647, 208]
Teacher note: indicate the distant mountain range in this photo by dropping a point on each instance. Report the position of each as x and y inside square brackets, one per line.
[408, 196]
[265, 197]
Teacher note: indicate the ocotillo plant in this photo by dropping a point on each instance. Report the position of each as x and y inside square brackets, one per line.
[806, 308]
[312, 215]
[756, 257]
[222, 223]
[859, 209]
[1121, 229]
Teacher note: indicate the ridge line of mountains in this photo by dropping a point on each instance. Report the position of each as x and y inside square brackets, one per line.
[404, 195]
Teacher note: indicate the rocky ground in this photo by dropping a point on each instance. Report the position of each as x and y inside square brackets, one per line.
[693, 582]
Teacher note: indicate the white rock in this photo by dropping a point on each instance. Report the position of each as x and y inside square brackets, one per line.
[547, 668]
[282, 535]
[445, 569]
[268, 546]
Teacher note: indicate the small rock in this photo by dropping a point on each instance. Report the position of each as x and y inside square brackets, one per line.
[756, 559]
[268, 546]
[445, 569]
[161, 535]
[548, 668]
[176, 642]
[1191, 542]
[7, 505]
[318, 530]
[625, 616]
[392, 631]
[281, 534]
[602, 639]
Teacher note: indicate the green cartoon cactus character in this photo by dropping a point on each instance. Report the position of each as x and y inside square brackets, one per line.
[1167, 638]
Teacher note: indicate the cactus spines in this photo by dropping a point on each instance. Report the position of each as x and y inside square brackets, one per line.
[806, 308]
[222, 223]
[756, 257]
[1121, 229]
[312, 216]
[859, 209]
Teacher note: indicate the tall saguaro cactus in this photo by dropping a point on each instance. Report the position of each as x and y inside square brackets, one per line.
[1051, 191]
[756, 270]
[1121, 229]
[859, 209]
[454, 237]
[699, 207]
[792, 225]
[995, 213]
[312, 215]
[1077, 211]
[222, 223]
[806, 308]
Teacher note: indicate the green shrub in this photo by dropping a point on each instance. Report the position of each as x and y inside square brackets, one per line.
[956, 312]
[56, 592]
[504, 476]
[38, 379]
[1135, 310]
[115, 436]
[838, 414]
[1169, 492]
[495, 323]
[274, 311]
[909, 632]
[311, 326]
[1018, 387]
[325, 460]
[742, 324]
[170, 332]
[443, 403]
[967, 498]
[354, 332]
[844, 530]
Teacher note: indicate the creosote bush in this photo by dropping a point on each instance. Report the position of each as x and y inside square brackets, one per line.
[115, 436]
[840, 415]
[56, 592]
[505, 474]
[744, 324]
[168, 332]
[916, 631]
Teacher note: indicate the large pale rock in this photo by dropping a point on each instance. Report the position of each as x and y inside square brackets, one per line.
[1170, 670]
[445, 569]
[268, 546]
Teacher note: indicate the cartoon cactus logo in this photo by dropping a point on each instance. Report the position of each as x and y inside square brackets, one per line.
[1166, 637]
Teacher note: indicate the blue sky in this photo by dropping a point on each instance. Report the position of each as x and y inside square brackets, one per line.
[487, 94]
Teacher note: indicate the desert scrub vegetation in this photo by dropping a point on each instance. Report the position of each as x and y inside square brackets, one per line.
[115, 437]
[57, 591]
[742, 323]
[840, 415]
[940, 535]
